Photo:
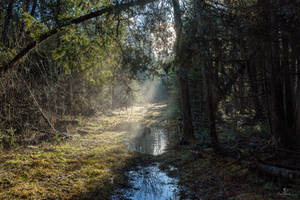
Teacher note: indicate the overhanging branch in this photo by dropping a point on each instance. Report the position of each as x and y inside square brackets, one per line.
[112, 9]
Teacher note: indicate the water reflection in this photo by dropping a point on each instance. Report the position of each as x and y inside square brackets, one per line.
[150, 183]
[154, 143]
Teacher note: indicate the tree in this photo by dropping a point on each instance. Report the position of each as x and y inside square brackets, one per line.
[111, 9]
[7, 20]
[183, 74]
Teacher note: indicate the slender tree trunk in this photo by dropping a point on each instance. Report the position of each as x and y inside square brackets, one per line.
[57, 12]
[211, 106]
[297, 116]
[112, 92]
[32, 13]
[185, 104]
[295, 55]
[252, 75]
[8, 17]
[277, 94]
[289, 95]
[27, 3]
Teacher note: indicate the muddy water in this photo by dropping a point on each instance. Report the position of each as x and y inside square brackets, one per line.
[150, 183]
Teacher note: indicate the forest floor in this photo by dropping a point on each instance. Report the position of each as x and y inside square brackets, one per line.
[92, 164]
[84, 167]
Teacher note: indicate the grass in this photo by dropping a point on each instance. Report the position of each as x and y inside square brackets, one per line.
[212, 177]
[84, 167]
[91, 166]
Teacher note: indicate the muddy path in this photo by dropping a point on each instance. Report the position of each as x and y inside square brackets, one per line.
[166, 171]
[92, 163]
[110, 157]
[150, 137]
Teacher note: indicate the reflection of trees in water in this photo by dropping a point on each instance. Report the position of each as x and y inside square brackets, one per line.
[153, 143]
[151, 183]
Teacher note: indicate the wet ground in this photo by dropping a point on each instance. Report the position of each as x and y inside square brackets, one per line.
[149, 182]
[154, 143]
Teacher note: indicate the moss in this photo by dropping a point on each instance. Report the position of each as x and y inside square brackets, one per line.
[90, 166]
[71, 170]
[214, 177]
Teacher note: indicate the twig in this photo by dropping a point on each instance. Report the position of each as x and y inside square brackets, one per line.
[43, 114]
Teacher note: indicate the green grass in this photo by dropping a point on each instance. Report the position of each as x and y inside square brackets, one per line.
[81, 168]
[91, 166]
[213, 176]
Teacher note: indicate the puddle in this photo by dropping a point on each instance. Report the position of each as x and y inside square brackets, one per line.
[154, 143]
[149, 183]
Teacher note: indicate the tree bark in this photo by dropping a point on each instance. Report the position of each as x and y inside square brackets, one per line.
[211, 106]
[295, 61]
[185, 105]
[252, 75]
[283, 102]
[183, 76]
[32, 13]
[8, 17]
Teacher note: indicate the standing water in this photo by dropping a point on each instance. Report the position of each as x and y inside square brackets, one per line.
[149, 183]
[154, 143]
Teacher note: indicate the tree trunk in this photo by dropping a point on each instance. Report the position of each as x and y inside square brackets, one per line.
[8, 17]
[185, 105]
[252, 75]
[211, 107]
[295, 46]
[183, 77]
[297, 116]
[283, 117]
[32, 13]
[112, 92]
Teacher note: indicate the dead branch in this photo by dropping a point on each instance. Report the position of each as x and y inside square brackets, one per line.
[44, 115]
[278, 171]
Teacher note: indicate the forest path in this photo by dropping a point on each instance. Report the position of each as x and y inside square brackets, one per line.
[97, 163]
[146, 180]
[88, 166]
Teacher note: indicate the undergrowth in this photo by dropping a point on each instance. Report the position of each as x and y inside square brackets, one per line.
[212, 177]
[85, 167]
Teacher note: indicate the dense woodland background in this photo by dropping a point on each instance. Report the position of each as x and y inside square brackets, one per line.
[227, 64]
